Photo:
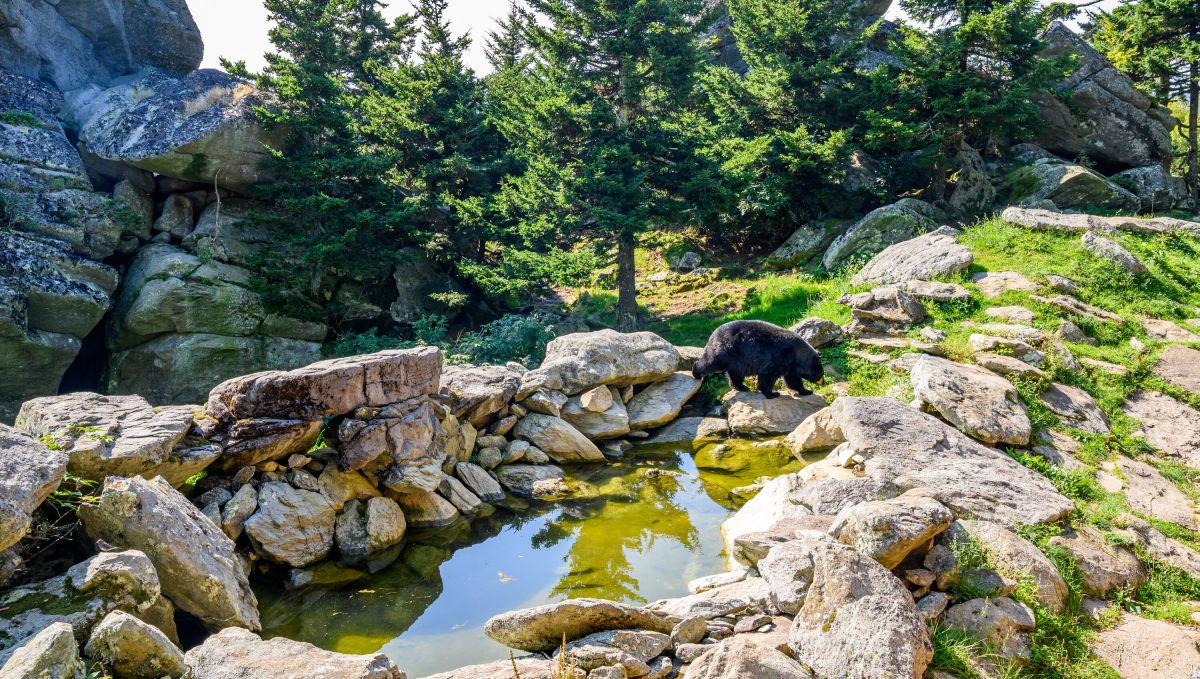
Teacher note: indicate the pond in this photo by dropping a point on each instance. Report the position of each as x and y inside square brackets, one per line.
[643, 527]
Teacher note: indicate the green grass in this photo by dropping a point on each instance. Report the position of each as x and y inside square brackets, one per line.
[20, 118]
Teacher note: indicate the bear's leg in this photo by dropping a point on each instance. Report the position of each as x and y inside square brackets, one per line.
[796, 384]
[766, 384]
[735, 381]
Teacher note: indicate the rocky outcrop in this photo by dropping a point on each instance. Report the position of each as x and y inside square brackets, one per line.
[1052, 220]
[234, 653]
[29, 472]
[885, 226]
[977, 401]
[1098, 112]
[1155, 187]
[578, 362]
[933, 255]
[1068, 186]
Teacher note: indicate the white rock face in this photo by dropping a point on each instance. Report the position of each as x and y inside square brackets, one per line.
[981, 403]
[776, 504]
[237, 654]
[197, 563]
[292, 526]
[29, 472]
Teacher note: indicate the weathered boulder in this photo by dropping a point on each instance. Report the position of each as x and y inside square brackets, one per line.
[557, 438]
[236, 654]
[973, 189]
[935, 291]
[1104, 568]
[332, 387]
[752, 414]
[610, 422]
[1068, 186]
[478, 392]
[889, 530]
[479, 482]
[882, 310]
[1015, 560]
[134, 649]
[631, 650]
[885, 226]
[1181, 367]
[427, 510]
[542, 628]
[805, 245]
[1168, 425]
[50, 654]
[118, 436]
[577, 362]
[29, 472]
[818, 332]
[364, 528]
[787, 568]
[1001, 622]
[1151, 493]
[1007, 365]
[1148, 649]
[901, 446]
[417, 278]
[1076, 408]
[745, 656]
[198, 565]
[403, 445]
[996, 283]
[777, 504]
[932, 255]
[661, 402]
[858, 621]
[291, 526]
[977, 401]
[1113, 251]
[817, 432]
[1154, 186]
[200, 128]
[539, 481]
[1107, 118]
[528, 667]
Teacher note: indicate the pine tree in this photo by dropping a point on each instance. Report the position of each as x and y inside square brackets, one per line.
[594, 122]
[507, 46]
[1158, 43]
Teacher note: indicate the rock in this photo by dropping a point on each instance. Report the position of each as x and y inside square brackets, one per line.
[1016, 348]
[1076, 408]
[1112, 251]
[740, 598]
[557, 438]
[691, 429]
[177, 217]
[1150, 493]
[973, 190]
[528, 667]
[577, 362]
[687, 358]
[805, 245]
[29, 472]
[788, 570]
[417, 279]
[1146, 649]
[235, 653]
[880, 228]
[932, 255]
[817, 432]
[610, 423]
[240, 507]
[1070, 332]
[546, 402]
[1154, 186]
[1167, 331]
[752, 414]
[1072, 305]
[117, 436]
[292, 526]
[1011, 314]
[133, 649]
[775, 505]
[975, 400]
[1158, 546]
[889, 530]
[1069, 186]
[936, 292]
[478, 392]
[716, 580]
[661, 402]
[199, 568]
[818, 332]
[541, 629]
[995, 283]
[932, 605]
[1001, 622]
[1180, 366]
[427, 510]
[1016, 560]
[1098, 112]
[740, 656]
[882, 310]
[464, 500]
[340, 487]
[1104, 568]
[50, 654]
[479, 482]
[362, 529]
[896, 441]
[1007, 365]
[532, 481]
[858, 620]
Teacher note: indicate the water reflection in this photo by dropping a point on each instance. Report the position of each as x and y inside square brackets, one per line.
[647, 525]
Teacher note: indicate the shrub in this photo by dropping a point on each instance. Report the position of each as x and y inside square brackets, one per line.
[510, 338]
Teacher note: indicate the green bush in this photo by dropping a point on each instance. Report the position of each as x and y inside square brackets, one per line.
[510, 338]
[20, 118]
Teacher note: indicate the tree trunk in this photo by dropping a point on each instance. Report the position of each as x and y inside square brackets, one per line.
[626, 284]
[1193, 114]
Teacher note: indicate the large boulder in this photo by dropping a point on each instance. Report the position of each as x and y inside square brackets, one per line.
[1001, 622]
[1099, 113]
[238, 654]
[977, 401]
[134, 649]
[1103, 567]
[542, 628]
[882, 310]
[1154, 186]
[478, 392]
[858, 620]
[29, 472]
[1076, 408]
[806, 244]
[52, 653]
[745, 656]
[973, 189]
[575, 363]
[752, 414]
[118, 436]
[1114, 252]
[1068, 186]
[199, 567]
[292, 526]
[597, 423]
[889, 530]
[885, 226]
[201, 128]
[1052, 220]
[932, 255]
[557, 438]
[661, 402]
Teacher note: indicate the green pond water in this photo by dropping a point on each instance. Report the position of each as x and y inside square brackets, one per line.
[643, 527]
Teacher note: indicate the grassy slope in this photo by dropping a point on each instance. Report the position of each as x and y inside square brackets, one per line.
[1169, 291]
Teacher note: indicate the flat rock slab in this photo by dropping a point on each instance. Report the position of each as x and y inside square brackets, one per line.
[580, 361]
[1167, 331]
[971, 479]
[541, 629]
[1168, 425]
[932, 255]
[977, 401]
[1076, 408]
[752, 414]
[689, 429]
[29, 472]
[660, 402]
[1105, 568]
[235, 653]
[1151, 493]
[1180, 366]
[995, 283]
[1149, 649]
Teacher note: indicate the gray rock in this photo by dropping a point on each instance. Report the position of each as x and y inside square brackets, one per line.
[1155, 187]
[818, 332]
[1168, 425]
[577, 362]
[610, 423]
[661, 402]
[134, 649]
[542, 628]
[932, 255]
[885, 226]
[1076, 408]
[742, 656]
[199, 568]
[416, 278]
[1017, 559]
[427, 510]
[1145, 649]
[532, 481]
[50, 654]
[236, 653]
[749, 595]
[341, 487]
[973, 189]
[557, 438]
[546, 402]
[936, 292]
[1113, 252]
[466, 502]
[29, 472]
[1067, 185]
[1001, 622]
[882, 310]
[691, 429]
[1180, 366]
[1104, 568]
[805, 245]
[788, 571]
[752, 414]
[1053, 220]
[363, 529]
[479, 482]
[889, 530]
[240, 507]
[292, 526]
[995, 283]
[980, 403]
[1152, 494]
[478, 392]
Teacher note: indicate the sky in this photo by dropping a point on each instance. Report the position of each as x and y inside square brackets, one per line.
[237, 29]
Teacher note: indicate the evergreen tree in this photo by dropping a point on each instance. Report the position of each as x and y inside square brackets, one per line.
[507, 46]
[594, 119]
[1158, 43]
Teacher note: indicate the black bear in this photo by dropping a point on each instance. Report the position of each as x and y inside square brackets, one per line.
[744, 348]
